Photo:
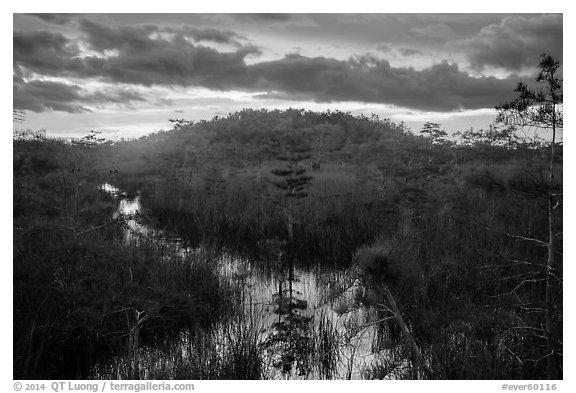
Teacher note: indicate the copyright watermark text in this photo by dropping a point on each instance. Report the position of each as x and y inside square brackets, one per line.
[103, 386]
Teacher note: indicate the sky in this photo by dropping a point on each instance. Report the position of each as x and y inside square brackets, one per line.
[126, 75]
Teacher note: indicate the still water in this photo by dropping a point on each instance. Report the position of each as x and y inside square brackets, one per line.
[318, 298]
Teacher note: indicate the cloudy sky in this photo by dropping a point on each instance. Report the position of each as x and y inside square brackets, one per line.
[127, 74]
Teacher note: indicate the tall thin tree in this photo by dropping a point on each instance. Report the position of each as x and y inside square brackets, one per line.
[542, 108]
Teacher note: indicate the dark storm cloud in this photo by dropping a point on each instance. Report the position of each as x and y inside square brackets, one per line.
[141, 38]
[515, 42]
[42, 96]
[170, 63]
[101, 38]
[442, 87]
[43, 51]
[143, 56]
[212, 35]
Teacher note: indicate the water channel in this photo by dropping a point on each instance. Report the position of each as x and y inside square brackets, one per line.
[320, 299]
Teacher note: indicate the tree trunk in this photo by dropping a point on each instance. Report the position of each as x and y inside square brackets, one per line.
[548, 308]
[406, 331]
[550, 364]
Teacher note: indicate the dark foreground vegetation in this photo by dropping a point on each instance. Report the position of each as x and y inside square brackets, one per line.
[450, 239]
[80, 293]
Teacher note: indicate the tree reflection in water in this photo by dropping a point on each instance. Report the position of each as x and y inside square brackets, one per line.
[289, 340]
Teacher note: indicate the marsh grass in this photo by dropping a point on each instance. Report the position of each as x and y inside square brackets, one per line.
[235, 349]
[229, 350]
[336, 217]
[83, 295]
[326, 347]
[88, 302]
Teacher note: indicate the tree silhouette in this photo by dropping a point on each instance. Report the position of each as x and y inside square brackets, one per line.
[542, 108]
[434, 133]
